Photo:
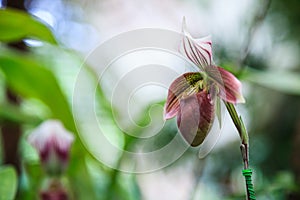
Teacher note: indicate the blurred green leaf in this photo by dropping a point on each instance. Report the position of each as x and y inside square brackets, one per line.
[284, 180]
[30, 180]
[28, 78]
[14, 114]
[126, 188]
[16, 25]
[8, 183]
[80, 180]
[286, 82]
[31, 78]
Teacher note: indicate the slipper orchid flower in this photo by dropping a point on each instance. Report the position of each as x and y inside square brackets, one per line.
[194, 96]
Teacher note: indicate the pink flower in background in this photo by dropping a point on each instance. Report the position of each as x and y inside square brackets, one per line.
[193, 96]
[54, 190]
[53, 142]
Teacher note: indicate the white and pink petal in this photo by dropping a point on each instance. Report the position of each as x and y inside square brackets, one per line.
[198, 51]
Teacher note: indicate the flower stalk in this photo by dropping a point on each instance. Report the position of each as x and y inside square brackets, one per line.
[194, 98]
[53, 144]
[240, 126]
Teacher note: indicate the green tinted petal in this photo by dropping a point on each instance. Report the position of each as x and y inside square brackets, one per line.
[183, 86]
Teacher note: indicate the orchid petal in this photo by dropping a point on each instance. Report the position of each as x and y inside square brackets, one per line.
[198, 51]
[195, 117]
[183, 86]
[230, 88]
[219, 112]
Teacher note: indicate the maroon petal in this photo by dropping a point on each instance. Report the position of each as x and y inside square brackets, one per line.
[198, 51]
[230, 88]
[195, 117]
[54, 189]
[183, 86]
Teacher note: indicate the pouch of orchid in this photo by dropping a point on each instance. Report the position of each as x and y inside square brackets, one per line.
[195, 99]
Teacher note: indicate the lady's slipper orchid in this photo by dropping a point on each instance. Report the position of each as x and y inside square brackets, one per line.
[193, 96]
[53, 142]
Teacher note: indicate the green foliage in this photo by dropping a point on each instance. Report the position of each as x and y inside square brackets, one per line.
[35, 81]
[14, 114]
[8, 182]
[16, 25]
[30, 181]
[48, 74]
[80, 180]
[112, 184]
[286, 82]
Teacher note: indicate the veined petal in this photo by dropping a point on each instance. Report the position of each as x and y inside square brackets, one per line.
[230, 88]
[198, 51]
[195, 117]
[183, 86]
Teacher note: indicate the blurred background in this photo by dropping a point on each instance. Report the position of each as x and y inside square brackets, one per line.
[257, 40]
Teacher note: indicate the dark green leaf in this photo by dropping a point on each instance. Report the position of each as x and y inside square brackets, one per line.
[16, 25]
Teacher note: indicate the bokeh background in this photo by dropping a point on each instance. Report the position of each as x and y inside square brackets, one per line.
[257, 40]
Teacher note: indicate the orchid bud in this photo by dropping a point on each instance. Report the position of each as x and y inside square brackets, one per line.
[54, 190]
[53, 142]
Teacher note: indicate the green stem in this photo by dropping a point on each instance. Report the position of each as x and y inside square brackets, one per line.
[113, 184]
[238, 122]
[240, 126]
